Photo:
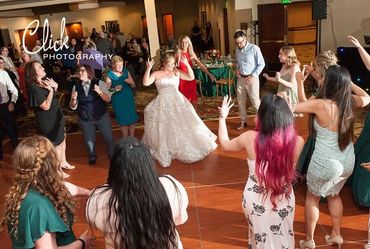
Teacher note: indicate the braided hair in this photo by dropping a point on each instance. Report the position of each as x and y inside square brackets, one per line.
[37, 166]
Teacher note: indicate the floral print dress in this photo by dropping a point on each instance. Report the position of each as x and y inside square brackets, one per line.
[268, 227]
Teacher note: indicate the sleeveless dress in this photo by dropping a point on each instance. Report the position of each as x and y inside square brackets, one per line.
[269, 227]
[292, 93]
[188, 87]
[123, 101]
[172, 128]
[330, 167]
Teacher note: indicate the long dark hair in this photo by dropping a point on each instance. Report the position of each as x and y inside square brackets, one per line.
[274, 147]
[138, 200]
[337, 87]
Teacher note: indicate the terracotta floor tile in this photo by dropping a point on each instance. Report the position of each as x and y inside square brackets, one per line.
[214, 186]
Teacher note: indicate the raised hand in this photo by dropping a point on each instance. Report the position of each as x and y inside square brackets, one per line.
[309, 68]
[46, 85]
[184, 60]
[225, 107]
[52, 83]
[97, 89]
[149, 64]
[302, 75]
[74, 94]
[354, 41]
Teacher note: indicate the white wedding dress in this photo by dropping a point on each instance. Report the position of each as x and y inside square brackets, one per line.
[173, 129]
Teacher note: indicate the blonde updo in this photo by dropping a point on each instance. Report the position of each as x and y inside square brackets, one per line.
[324, 60]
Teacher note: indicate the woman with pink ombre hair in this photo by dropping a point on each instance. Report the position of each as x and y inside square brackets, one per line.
[272, 152]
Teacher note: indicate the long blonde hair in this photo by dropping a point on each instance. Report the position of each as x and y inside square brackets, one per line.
[190, 48]
[37, 166]
[292, 56]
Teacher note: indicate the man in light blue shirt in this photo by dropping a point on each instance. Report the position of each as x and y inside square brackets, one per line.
[249, 64]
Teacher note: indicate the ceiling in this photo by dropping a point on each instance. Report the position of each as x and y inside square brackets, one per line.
[10, 8]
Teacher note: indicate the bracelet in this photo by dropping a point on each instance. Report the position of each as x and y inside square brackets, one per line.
[83, 242]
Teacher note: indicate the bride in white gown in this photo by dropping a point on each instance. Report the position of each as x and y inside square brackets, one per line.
[173, 129]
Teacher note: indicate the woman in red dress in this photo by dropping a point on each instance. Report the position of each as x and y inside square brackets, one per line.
[189, 88]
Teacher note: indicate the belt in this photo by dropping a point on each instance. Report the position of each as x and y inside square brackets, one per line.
[245, 76]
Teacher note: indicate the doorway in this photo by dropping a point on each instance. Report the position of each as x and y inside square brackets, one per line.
[168, 26]
[291, 25]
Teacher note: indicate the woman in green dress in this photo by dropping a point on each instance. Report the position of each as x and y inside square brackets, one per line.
[123, 101]
[361, 174]
[39, 205]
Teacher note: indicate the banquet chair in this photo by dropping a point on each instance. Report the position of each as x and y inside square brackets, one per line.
[229, 81]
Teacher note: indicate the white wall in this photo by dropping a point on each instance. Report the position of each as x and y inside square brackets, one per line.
[347, 17]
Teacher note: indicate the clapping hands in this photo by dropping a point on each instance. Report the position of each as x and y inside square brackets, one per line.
[49, 84]
[225, 107]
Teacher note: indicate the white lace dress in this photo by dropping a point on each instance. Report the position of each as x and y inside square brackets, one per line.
[269, 227]
[173, 130]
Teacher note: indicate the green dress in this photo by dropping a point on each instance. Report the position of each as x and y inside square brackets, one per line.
[36, 216]
[361, 176]
[123, 101]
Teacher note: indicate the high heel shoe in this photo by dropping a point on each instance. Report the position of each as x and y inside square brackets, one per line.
[68, 166]
[307, 244]
[334, 240]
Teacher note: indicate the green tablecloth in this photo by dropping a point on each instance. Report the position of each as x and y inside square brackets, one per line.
[209, 87]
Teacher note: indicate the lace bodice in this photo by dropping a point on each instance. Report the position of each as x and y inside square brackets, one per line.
[167, 82]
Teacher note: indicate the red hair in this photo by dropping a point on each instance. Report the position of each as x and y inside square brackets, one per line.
[275, 162]
[274, 147]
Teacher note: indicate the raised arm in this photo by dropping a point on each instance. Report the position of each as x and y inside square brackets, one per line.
[235, 144]
[314, 106]
[364, 55]
[204, 69]
[301, 76]
[148, 78]
[361, 98]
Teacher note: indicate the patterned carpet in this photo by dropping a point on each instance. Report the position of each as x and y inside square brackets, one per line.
[206, 109]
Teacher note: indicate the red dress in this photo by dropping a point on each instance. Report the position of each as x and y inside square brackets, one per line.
[188, 87]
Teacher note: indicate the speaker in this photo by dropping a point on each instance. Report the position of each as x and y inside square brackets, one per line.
[319, 9]
[350, 58]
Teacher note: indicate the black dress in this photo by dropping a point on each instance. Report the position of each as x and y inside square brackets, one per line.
[50, 123]
[209, 39]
